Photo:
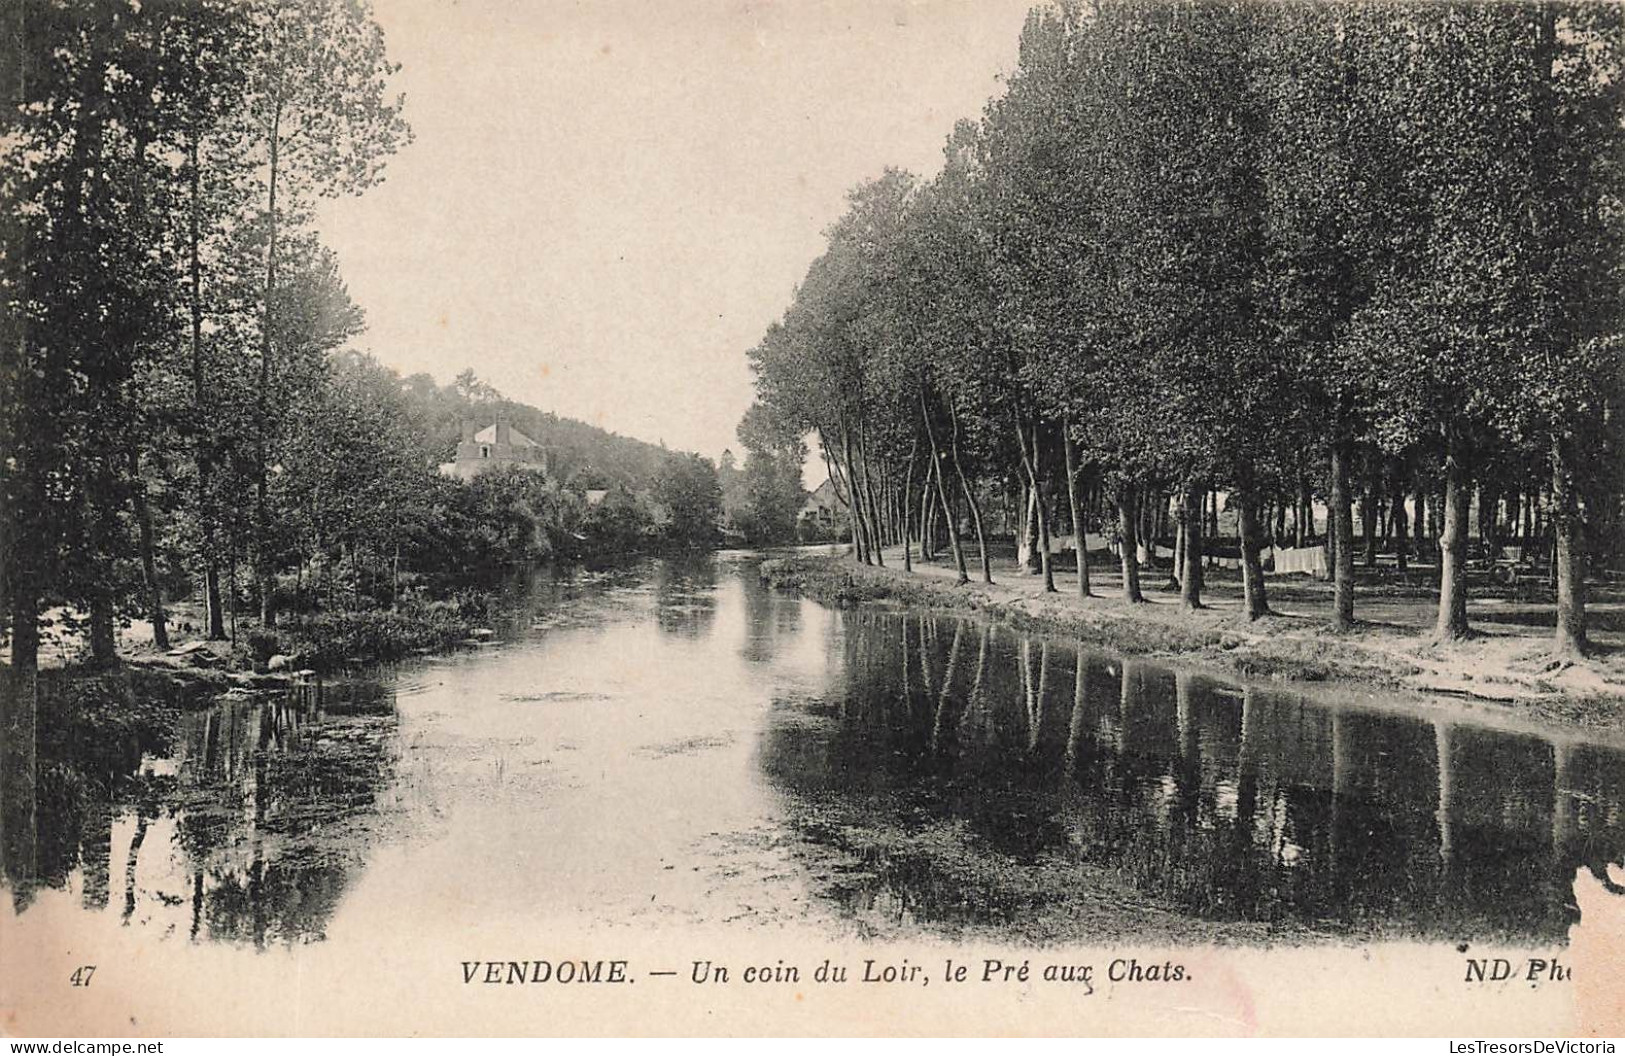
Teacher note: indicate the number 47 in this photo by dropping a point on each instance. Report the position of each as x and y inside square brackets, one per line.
[81, 976]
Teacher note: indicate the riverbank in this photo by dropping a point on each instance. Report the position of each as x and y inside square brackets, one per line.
[301, 646]
[1506, 663]
[96, 723]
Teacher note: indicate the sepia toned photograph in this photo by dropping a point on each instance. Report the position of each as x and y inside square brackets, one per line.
[812, 518]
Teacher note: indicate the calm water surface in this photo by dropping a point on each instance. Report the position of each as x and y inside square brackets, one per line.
[671, 743]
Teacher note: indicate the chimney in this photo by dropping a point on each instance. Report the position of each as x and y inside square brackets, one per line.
[468, 430]
[502, 430]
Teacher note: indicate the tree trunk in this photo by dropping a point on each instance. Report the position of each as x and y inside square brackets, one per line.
[1452, 622]
[214, 618]
[263, 574]
[1368, 511]
[942, 492]
[899, 499]
[1252, 569]
[1079, 537]
[1340, 537]
[1570, 562]
[1331, 534]
[1306, 513]
[214, 608]
[928, 533]
[19, 526]
[1035, 475]
[860, 538]
[19, 710]
[1128, 545]
[1027, 551]
[1402, 528]
[1538, 531]
[1176, 573]
[866, 511]
[882, 504]
[1419, 521]
[903, 507]
[1190, 585]
[103, 647]
[876, 522]
[970, 499]
[843, 494]
[262, 528]
[1147, 518]
[149, 566]
[888, 512]
[871, 511]
[953, 529]
[102, 544]
[1489, 510]
[1046, 558]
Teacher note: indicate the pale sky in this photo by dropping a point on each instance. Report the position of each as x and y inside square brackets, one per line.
[607, 203]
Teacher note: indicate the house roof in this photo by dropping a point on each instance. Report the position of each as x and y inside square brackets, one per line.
[822, 497]
[488, 435]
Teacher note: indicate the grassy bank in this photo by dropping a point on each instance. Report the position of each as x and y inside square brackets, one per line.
[194, 670]
[1510, 667]
[327, 640]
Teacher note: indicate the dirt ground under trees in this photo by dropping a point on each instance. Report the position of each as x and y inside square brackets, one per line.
[1508, 659]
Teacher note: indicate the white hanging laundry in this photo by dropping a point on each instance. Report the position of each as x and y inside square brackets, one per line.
[1311, 559]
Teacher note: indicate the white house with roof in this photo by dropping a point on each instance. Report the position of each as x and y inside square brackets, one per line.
[498, 444]
[823, 506]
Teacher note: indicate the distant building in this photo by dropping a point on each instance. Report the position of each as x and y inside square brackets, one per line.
[823, 507]
[499, 444]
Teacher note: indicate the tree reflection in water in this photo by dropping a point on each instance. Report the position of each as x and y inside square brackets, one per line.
[246, 830]
[969, 775]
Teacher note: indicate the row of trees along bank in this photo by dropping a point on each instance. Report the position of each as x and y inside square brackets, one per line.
[1269, 248]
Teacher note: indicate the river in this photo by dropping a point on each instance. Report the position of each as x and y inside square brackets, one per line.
[670, 744]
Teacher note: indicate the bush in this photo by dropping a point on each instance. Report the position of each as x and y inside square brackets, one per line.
[102, 721]
[262, 645]
[808, 530]
[328, 639]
